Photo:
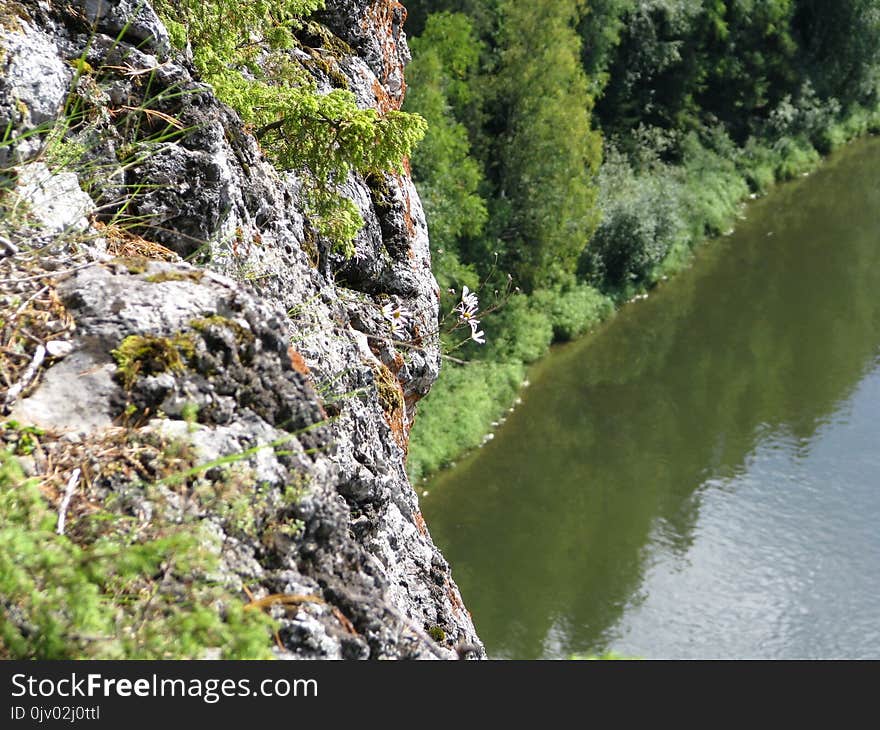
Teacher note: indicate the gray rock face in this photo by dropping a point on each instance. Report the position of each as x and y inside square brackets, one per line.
[374, 28]
[132, 21]
[54, 199]
[279, 340]
[33, 86]
[76, 393]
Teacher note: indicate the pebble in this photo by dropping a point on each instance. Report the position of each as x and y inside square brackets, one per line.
[28, 465]
[59, 348]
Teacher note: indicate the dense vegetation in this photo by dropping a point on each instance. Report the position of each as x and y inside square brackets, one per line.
[585, 148]
[323, 136]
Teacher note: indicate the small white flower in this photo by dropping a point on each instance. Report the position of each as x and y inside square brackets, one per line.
[477, 335]
[467, 310]
[397, 318]
[469, 298]
[468, 306]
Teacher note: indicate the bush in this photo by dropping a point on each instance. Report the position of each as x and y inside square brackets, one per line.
[521, 332]
[105, 599]
[714, 187]
[324, 136]
[574, 310]
[641, 220]
[758, 164]
[796, 156]
[459, 411]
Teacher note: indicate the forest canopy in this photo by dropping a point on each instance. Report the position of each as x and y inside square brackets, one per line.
[584, 147]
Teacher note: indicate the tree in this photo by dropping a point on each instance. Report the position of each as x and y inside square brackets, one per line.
[448, 177]
[841, 46]
[547, 152]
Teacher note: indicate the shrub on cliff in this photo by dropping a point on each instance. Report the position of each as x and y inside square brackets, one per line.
[114, 593]
[242, 50]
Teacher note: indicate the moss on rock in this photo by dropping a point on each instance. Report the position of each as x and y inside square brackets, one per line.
[194, 276]
[243, 336]
[139, 355]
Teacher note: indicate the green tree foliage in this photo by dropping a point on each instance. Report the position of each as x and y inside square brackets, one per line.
[841, 47]
[449, 178]
[527, 111]
[650, 71]
[679, 64]
[600, 29]
[323, 136]
[547, 153]
[758, 56]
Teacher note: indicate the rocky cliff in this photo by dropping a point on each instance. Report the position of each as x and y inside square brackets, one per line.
[182, 348]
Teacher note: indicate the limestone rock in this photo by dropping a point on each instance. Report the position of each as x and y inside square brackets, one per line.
[272, 339]
[55, 200]
[34, 83]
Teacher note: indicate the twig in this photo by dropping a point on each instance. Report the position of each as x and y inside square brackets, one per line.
[456, 360]
[30, 336]
[12, 353]
[65, 502]
[48, 274]
[270, 127]
[152, 113]
[146, 609]
[29, 374]
[7, 247]
[283, 599]
[26, 302]
[131, 71]
[342, 619]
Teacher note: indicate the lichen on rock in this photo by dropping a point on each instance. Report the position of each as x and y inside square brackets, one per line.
[266, 357]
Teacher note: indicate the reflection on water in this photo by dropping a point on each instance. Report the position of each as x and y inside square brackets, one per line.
[702, 476]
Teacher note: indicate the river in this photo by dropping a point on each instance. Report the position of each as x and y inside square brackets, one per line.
[700, 477]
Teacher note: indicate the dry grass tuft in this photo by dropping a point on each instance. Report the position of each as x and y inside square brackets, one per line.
[31, 315]
[122, 243]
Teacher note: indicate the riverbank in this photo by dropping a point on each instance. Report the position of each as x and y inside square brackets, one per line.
[685, 205]
[697, 478]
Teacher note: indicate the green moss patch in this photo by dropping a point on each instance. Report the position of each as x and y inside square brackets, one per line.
[194, 276]
[204, 324]
[140, 355]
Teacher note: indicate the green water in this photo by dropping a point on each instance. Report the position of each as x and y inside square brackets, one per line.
[701, 477]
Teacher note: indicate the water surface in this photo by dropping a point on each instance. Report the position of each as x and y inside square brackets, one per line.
[701, 477]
